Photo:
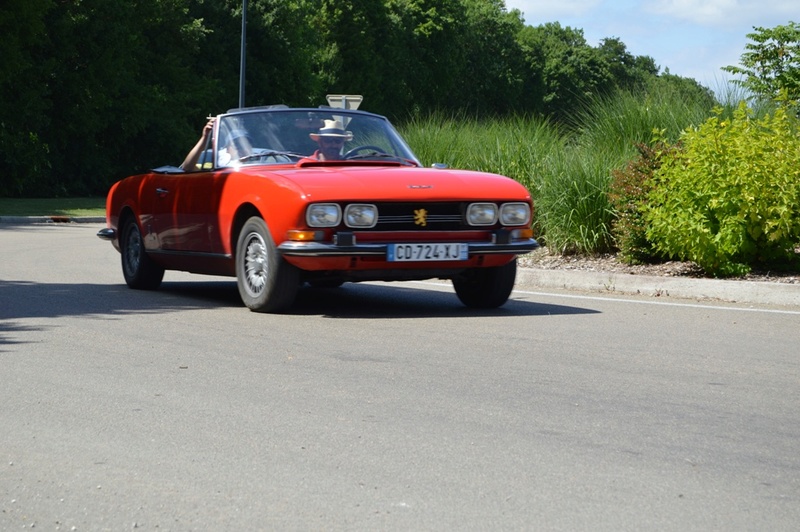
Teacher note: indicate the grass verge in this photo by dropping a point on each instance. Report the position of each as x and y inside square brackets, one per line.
[71, 207]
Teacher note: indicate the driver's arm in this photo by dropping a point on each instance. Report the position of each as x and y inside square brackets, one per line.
[190, 163]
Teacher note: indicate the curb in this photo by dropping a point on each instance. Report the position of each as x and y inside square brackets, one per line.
[785, 294]
[51, 219]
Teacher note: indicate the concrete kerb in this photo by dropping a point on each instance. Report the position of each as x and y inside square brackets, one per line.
[783, 294]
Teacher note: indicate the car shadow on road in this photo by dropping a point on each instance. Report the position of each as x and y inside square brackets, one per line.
[24, 299]
[372, 301]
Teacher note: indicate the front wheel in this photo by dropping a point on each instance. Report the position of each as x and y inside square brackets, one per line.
[486, 287]
[138, 268]
[266, 282]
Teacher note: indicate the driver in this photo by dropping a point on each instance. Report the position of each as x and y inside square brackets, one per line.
[331, 138]
[238, 144]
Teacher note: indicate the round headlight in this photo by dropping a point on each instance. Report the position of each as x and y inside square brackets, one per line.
[323, 215]
[481, 213]
[360, 215]
[515, 214]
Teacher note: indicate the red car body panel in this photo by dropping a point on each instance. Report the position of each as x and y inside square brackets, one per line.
[194, 212]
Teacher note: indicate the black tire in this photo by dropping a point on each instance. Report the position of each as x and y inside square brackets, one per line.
[486, 287]
[138, 268]
[266, 282]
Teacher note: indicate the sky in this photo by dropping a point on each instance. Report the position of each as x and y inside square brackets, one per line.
[691, 38]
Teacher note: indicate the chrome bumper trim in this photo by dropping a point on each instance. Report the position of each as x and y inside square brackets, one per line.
[320, 249]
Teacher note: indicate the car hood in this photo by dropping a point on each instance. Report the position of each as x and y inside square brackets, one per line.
[330, 183]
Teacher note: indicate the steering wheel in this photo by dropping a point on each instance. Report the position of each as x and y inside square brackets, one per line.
[365, 147]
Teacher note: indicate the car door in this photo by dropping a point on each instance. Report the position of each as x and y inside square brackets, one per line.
[184, 210]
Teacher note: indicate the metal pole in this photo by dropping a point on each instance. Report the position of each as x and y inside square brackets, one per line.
[244, 47]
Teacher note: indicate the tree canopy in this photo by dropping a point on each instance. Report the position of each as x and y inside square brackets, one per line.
[770, 66]
[93, 90]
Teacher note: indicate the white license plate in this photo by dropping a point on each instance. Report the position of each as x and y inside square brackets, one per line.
[426, 252]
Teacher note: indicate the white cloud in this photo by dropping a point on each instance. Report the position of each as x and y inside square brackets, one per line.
[725, 13]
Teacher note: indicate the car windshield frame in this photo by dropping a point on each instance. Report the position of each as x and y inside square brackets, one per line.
[282, 135]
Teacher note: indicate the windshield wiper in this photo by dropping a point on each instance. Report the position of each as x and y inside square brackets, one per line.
[270, 153]
[382, 155]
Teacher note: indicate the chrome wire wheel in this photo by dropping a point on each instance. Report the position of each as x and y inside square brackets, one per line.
[256, 264]
[266, 282]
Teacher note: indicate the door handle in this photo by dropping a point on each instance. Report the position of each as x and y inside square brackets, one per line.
[161, 192]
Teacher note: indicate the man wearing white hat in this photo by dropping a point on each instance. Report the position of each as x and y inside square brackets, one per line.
[331, 137]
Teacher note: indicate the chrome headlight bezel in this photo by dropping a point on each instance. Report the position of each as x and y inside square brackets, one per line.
[515, 214]
[323, 215]
[481, 214]
[360, 215]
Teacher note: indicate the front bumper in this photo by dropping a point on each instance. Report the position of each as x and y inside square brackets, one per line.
[345, 246]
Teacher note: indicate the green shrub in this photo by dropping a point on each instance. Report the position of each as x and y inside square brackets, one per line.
[730, 198]
[628, 195]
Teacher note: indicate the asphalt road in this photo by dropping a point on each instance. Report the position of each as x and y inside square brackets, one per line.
[382, 406]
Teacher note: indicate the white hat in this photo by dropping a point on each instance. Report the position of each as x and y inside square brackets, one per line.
[332, 128]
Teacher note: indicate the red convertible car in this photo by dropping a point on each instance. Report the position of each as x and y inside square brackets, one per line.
[283, 196]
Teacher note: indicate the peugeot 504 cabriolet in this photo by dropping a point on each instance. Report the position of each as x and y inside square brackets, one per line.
[284, 196]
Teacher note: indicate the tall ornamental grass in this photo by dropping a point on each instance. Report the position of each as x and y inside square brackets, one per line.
[567, 168]
[511, 146]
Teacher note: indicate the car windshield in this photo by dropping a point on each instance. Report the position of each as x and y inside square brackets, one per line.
[283, 135]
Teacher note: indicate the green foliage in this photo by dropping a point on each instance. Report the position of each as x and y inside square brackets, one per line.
[71, 207]
[568, 171]
[93, 90]
[510, 146]
[730, 198]
[628, 194]
[570, 69]
[572, 196]
[24, 108]
[573, 212]
[771, 64]
[618, 122]
[564, 70]
[426, 42]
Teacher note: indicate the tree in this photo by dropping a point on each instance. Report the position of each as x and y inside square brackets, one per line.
[627, 71]
[427, 43]
[494, 69]
[571, 70]
[351, 50]
[24, 103]
[122, 73]
[771, 64]
[280, 48]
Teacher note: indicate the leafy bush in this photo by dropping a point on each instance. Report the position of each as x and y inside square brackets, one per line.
[628, 194]
[730, 198]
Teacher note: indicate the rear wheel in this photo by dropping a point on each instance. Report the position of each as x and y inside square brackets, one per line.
[138, 268]
[486, 287]
[266, 282]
